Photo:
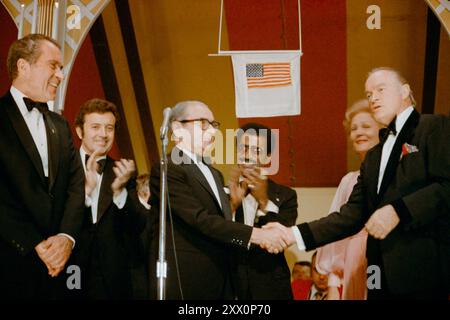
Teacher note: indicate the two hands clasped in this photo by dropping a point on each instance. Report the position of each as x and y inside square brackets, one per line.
[274, 237]
[56, 250]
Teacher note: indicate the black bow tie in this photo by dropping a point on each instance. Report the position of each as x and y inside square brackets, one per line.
[101, 164]
[41, 106]
[384, 133]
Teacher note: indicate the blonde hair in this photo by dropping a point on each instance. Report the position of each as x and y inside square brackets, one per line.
[358, 107]
[399, 77]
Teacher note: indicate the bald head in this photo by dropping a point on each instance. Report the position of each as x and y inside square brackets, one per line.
[183, 109]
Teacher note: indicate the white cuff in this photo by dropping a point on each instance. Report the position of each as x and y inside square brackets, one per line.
[145, 204]
[121, 198]
[70, 238]
[87, 201]
[334, 280]
[298, 238]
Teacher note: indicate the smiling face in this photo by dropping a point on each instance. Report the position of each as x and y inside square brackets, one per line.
[40, 80]
[97, 133]
[387, 96]
[252, 149]
[363, 132]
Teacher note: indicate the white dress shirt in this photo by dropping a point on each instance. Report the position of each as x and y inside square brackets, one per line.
[206, 173]
[385, 154]
[92, 200]
[313, 291]
[252, 212]
[390, 141]
[35, 123]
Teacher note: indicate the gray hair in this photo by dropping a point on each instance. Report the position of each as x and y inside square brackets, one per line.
[179, 110]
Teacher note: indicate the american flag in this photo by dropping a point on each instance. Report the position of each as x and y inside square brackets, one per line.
[268, 75]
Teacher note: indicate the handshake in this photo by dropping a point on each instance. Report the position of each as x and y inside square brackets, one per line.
[273, 237]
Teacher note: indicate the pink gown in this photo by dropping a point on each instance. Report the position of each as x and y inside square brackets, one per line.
[345, 261]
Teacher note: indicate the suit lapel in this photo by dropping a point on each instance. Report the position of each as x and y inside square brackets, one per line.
[239, 216]
[105, 196]
[273, 192]
[373, 166]
[403, 136]
[24, 134]
[53, 147]
[189, 164]
[195, 171]
[223, 197]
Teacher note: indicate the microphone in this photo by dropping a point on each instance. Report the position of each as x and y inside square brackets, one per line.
[165, 124]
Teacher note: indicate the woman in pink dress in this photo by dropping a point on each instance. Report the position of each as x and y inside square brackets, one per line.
[344, 261]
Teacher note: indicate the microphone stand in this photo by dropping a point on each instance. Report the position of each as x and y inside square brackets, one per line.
[161, 264]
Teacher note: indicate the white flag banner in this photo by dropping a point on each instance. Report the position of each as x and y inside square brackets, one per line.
[267, 85]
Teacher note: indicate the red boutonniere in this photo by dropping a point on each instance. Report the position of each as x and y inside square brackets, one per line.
[407, 149]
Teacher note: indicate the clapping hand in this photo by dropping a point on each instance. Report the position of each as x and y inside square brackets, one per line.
[124, 170]
[91, 172]
[257, 184]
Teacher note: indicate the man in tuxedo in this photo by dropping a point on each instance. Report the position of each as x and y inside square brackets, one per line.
[402, 197]
[257, 200]
[200, 230]
[110, 245]
[41, 178]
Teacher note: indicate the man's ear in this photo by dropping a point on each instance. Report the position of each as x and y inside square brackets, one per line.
[406, 90]
[175, 127]
[79, 132]
[22, 66]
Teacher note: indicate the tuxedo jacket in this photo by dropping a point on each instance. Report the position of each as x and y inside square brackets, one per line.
[262, 275]
[109, 249]
[199, 232]
[414, 257]
[33, 208]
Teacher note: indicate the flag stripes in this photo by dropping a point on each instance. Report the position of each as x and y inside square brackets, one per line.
[268, 75]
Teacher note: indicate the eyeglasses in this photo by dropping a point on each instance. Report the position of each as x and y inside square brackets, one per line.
[205, 123]
[252, 149]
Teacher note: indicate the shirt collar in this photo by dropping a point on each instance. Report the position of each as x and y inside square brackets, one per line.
[402, 117]
[191, 155]
[83, 154]
[18, 98]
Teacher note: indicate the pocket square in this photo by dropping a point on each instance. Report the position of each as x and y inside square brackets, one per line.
[407, 149]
